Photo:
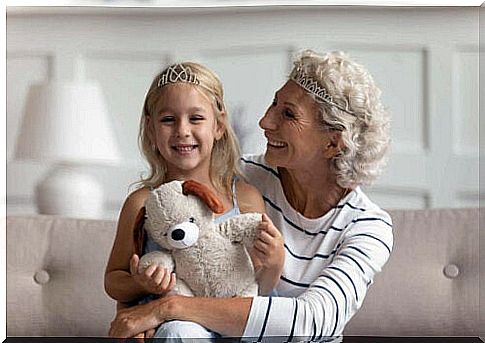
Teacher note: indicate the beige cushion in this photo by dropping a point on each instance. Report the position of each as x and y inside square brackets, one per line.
[74, 254]
[411, 296]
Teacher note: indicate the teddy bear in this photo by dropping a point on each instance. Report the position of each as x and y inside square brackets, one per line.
[210, 260]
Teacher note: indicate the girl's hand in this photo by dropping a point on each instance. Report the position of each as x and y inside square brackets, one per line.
[268, 248]
[154, 279]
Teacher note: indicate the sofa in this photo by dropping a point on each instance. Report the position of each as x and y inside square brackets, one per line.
[429, 287]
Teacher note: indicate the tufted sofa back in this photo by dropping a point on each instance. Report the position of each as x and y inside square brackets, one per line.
[55, 276]
[55, 269]
[430, 285]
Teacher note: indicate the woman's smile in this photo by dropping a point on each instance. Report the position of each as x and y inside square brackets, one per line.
[276, 144]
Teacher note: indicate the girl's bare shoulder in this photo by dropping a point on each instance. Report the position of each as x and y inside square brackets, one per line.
[136, 200]
[249, 198]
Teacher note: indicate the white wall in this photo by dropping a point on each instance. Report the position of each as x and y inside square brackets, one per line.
[425, 60]
[482, 177]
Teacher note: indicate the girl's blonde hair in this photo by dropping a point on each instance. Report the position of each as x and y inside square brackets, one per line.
[224, 163]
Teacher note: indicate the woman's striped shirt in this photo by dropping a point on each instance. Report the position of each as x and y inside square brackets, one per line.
[329, 261]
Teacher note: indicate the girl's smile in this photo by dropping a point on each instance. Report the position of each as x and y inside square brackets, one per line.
[185, 149]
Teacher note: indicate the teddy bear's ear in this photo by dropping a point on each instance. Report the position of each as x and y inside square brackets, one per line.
[203, 192]
[138, 232]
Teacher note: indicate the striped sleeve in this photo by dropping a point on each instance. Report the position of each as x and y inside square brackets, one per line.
[329, 302]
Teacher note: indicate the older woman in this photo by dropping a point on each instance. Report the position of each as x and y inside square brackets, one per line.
[327, 134]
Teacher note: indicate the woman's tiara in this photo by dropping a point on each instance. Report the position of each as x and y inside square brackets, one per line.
[310, 85]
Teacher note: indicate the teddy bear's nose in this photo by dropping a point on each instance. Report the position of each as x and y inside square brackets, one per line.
[178, 234]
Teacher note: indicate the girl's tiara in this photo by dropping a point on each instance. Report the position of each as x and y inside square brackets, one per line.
[178, 73]
[310, 85]
[181, 73]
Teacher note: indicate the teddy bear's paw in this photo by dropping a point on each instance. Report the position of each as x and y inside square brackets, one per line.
[158, 258]
[241, 228]
[250, 291]
[181, 288]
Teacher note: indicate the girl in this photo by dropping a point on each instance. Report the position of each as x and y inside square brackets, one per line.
[185, 134]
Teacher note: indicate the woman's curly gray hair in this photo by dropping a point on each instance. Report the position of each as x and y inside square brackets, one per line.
[365, 133]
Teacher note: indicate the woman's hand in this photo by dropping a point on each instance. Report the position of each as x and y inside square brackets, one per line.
[154, 279]
[268, 255]
[141, 336]
[136, 320]
[269, 245]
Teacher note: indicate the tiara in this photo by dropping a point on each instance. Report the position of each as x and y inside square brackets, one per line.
[177, 73]
[310, 85]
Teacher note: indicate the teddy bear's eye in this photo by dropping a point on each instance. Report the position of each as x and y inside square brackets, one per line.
[191, 219]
